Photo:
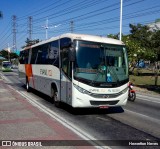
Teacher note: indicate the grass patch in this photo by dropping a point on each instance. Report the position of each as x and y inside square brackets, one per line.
[143, 72]
[144, 80]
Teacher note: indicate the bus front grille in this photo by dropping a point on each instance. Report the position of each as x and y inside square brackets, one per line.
[105, 95]
[104, 102]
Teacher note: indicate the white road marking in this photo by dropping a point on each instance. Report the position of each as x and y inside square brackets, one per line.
[5, 78]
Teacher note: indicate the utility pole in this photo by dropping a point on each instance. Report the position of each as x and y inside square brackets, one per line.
[14, 24]
[120, 36]
[30, 27]
[48, 27]
[8, 50]
[72, 26]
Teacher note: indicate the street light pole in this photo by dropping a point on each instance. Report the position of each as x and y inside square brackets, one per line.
[120, 38]
[48, 27]
[8, 50]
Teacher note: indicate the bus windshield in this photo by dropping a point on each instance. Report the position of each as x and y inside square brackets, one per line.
[101, 62]
[6, 64]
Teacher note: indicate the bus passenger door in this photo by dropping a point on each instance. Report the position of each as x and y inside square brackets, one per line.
[66, 85]
[65, 88]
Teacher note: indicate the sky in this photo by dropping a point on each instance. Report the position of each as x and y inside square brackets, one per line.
[95, 17]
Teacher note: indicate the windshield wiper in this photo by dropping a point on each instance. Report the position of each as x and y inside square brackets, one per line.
[101, 70]
[111, 70]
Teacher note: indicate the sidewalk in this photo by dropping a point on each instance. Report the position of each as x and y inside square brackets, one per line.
[19, 120]
[146, 92]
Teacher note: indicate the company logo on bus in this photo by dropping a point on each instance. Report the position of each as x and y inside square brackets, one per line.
[49, 72]
[105, 96]
[46, 72]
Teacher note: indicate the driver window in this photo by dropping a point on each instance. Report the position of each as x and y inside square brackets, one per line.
[65, 44]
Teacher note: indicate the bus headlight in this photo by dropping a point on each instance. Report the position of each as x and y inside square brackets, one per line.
[80, 89]
[125, 90]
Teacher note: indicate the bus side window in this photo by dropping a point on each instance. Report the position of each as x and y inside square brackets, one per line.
[39, 56]
[43, 55]
[24, 57]
[21, 57]
[64, 55]
[65, 44]
[33, 55]
[53, 53]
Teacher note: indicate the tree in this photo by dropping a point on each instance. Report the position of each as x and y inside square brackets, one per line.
[148, 39]
[4, 54]
[30, 42]
[113, 36]
[156, 46]
[156, 41]
[135, 51]
[142, 34]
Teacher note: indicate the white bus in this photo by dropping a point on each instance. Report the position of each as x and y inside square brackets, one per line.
[6, 66]
[80, 70]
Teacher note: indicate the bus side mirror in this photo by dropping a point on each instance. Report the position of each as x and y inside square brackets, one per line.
[72, 54]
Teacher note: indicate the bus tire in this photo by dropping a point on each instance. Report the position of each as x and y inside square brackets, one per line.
[27, 86]
[57, 103]
[55, 97]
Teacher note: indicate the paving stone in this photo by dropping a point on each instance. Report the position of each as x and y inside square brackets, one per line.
[20, 114]
[22, 131]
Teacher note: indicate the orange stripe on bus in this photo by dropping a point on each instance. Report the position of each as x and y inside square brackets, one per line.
[28, 69]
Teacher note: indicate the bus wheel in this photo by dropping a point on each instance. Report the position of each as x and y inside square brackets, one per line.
[55, 98]
[27, 86]
[57, 103]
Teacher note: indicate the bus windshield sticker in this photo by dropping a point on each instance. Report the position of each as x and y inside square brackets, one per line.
[90, 46]
[85, 70]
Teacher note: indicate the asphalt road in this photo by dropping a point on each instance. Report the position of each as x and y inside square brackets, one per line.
[139, 120]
